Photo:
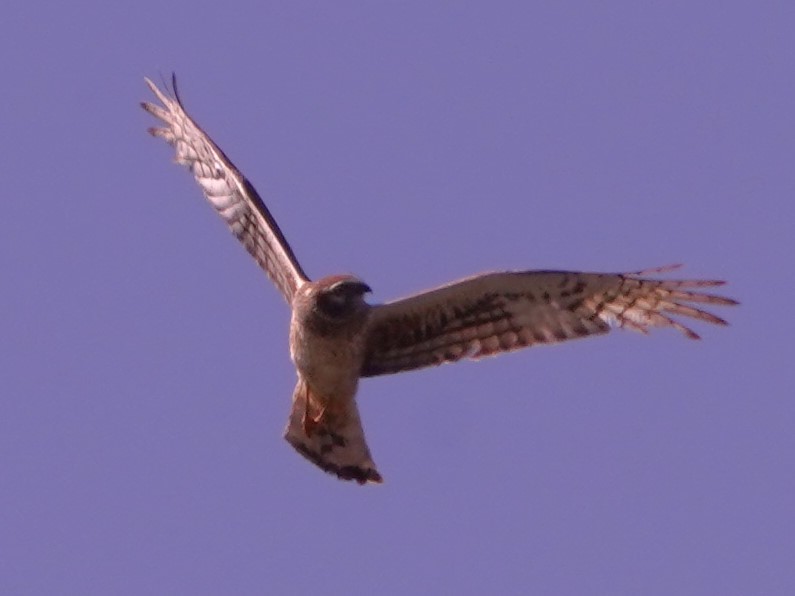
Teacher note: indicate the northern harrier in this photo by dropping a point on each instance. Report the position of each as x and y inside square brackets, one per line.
[336, 337]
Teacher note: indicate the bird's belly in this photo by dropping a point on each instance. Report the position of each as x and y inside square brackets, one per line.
[331, 368]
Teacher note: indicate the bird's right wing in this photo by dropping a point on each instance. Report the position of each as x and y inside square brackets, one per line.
[500, 312]
[232, 196]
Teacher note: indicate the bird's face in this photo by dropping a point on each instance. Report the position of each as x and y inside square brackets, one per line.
[339, 299]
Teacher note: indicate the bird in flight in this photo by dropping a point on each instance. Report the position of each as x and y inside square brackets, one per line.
[336, 337]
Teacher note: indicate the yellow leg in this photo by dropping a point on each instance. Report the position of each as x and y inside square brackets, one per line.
[310, 422]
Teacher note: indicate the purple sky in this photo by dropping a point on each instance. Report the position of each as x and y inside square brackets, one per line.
[144, 373]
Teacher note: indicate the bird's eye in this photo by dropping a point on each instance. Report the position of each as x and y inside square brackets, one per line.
[335, 304]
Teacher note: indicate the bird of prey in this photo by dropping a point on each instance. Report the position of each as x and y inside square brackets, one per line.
[336, 337]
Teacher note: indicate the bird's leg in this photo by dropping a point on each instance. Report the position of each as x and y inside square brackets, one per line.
[310, 422]
[307, 421]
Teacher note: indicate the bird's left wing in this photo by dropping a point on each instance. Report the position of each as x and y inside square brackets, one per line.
[500, 312]
[232, 196]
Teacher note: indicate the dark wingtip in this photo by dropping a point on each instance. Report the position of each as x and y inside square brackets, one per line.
[174, 86]
[148, 107]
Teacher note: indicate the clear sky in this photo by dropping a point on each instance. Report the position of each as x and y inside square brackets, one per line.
[144, 373]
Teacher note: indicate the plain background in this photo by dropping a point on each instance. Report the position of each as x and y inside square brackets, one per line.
[144, 373]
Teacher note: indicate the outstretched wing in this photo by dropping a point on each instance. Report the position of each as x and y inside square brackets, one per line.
[232, 196]
[500, 312]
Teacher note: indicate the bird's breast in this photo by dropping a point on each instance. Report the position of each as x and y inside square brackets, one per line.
[330, 365]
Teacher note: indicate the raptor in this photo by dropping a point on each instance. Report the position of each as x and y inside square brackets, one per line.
[336, 337]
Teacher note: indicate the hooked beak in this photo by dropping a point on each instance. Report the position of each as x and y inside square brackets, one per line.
[353, 286]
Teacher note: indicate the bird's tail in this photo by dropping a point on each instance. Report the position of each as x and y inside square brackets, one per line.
[330, 435]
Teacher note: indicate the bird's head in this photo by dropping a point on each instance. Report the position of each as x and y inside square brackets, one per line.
[340, 297]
